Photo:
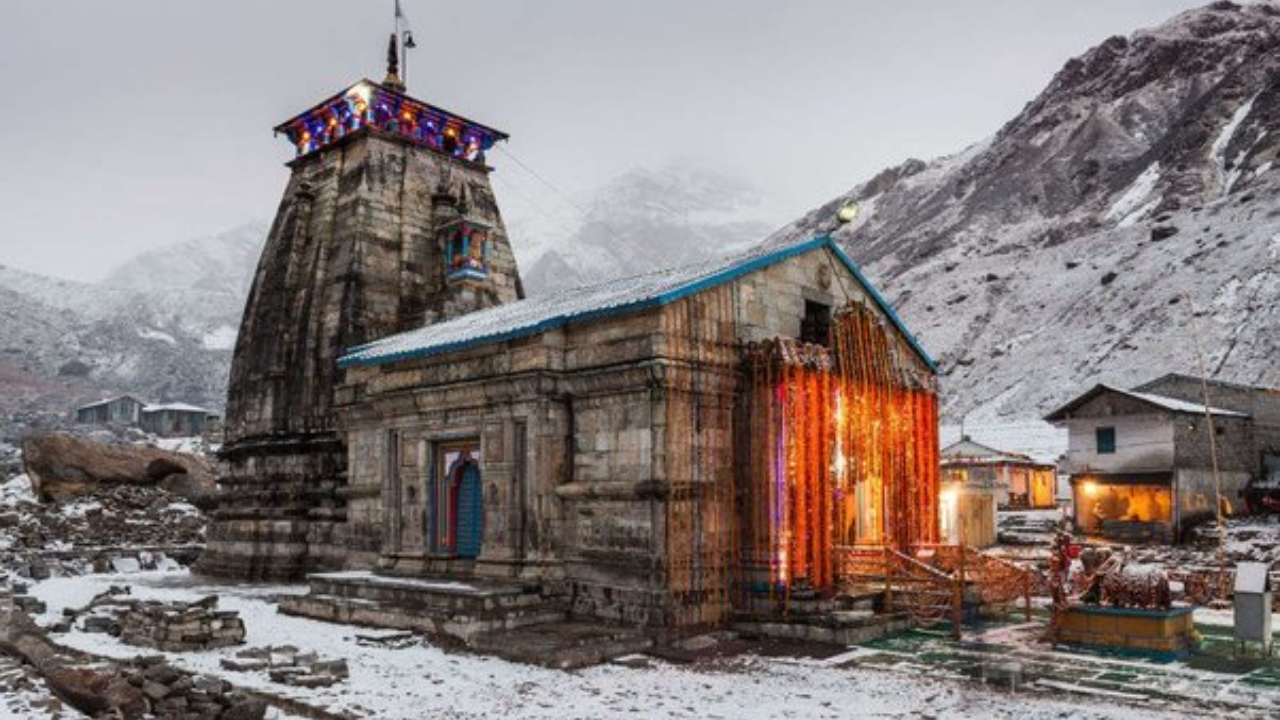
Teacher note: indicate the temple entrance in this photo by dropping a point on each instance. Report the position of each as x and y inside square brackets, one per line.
[456, 522]
[843, 455]
[469, 511]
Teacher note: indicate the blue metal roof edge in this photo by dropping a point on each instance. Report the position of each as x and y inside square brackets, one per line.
[678, 293]
[884, 304]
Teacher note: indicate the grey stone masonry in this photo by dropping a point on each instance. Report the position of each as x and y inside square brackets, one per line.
[354, 254]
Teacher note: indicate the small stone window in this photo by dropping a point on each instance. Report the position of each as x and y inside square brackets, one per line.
[1106, 440]
[816, 326]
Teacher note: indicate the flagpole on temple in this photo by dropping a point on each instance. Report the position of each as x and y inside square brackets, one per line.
[405, 38]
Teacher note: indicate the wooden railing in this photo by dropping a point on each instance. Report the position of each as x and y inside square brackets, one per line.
[928, 585]
[927, 596]
[999, 581]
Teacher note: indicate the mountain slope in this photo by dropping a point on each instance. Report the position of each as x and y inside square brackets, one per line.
[642, 220]
[1063, 250]
[161, 325]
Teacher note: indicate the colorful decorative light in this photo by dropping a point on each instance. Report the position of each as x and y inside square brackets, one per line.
[368, 105]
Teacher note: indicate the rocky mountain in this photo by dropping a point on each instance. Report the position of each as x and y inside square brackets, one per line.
[162, 325]
[642, 220]
[1129, 215]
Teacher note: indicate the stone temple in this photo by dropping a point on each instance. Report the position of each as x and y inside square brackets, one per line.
[672, 450]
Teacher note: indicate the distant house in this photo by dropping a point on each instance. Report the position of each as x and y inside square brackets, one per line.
[1141, 461]
[167, 420]
[1018, 480]
[121, 410]
[175, 419]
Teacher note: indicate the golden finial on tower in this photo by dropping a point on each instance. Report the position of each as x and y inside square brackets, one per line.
[392, 80]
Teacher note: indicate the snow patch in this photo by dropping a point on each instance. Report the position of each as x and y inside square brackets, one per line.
[220, 338]
[1133, 204]
[153, 334]
[16, 490]
[1218, 151]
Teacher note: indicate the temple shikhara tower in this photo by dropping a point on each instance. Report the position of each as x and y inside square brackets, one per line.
[734, 438]
[388, 223]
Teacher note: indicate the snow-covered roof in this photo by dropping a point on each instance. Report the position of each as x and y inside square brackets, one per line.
[1041, 441]
[592, 302]
[176, 407]
[967, 452]
[108, 401]
[1160, 401]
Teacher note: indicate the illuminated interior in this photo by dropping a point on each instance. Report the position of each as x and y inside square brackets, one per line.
[1097, 502]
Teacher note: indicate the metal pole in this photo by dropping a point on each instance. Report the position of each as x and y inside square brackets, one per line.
[1213, 453]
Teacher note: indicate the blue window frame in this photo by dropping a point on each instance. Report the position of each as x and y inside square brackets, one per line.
[1106, 440]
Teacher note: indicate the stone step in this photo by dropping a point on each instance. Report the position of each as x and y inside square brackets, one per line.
[564, 645]
[442, 608]
[426, 593]
[843, 627]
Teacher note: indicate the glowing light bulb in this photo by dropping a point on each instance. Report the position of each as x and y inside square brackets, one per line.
[362, 91]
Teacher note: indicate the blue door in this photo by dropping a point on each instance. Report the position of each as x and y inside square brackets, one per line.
[470, 512]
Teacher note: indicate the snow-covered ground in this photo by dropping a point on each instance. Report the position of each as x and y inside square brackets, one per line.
[425, 681]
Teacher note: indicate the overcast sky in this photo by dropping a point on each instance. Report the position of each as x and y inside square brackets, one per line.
[135, 123]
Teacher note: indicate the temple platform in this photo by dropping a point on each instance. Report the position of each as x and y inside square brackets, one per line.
[847, 619]
[510, 620]
[442, 607]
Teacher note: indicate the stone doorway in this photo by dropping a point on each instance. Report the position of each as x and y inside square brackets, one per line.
[457, 510]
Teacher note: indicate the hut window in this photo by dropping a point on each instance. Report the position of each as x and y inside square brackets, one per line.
[1106, 440]
[816, 325]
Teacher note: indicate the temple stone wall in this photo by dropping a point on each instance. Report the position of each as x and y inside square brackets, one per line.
[607, 447]
[352, 256]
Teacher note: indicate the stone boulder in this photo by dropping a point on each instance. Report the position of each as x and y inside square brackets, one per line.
[64, 467]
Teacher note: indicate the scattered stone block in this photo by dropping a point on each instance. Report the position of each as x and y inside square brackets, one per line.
[155, 690]
[100, 624]
[238, 664]
[394, 640]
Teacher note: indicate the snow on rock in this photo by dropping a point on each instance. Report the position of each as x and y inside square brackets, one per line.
[1133, 205]
[643, 220]
[16, 490]
[163, 320]
[1218, 150]
[1059, 254]
[159, 335]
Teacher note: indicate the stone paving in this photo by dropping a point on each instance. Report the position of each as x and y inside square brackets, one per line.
[1013, 656]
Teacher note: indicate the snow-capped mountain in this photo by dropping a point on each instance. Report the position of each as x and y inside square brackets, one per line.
[161, 325]
[1127, 216]
[642, 220]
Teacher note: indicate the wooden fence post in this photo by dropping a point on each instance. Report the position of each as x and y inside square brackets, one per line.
[888, 580]
[1026, 595]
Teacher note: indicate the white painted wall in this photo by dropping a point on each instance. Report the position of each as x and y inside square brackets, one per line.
[1143, 443]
